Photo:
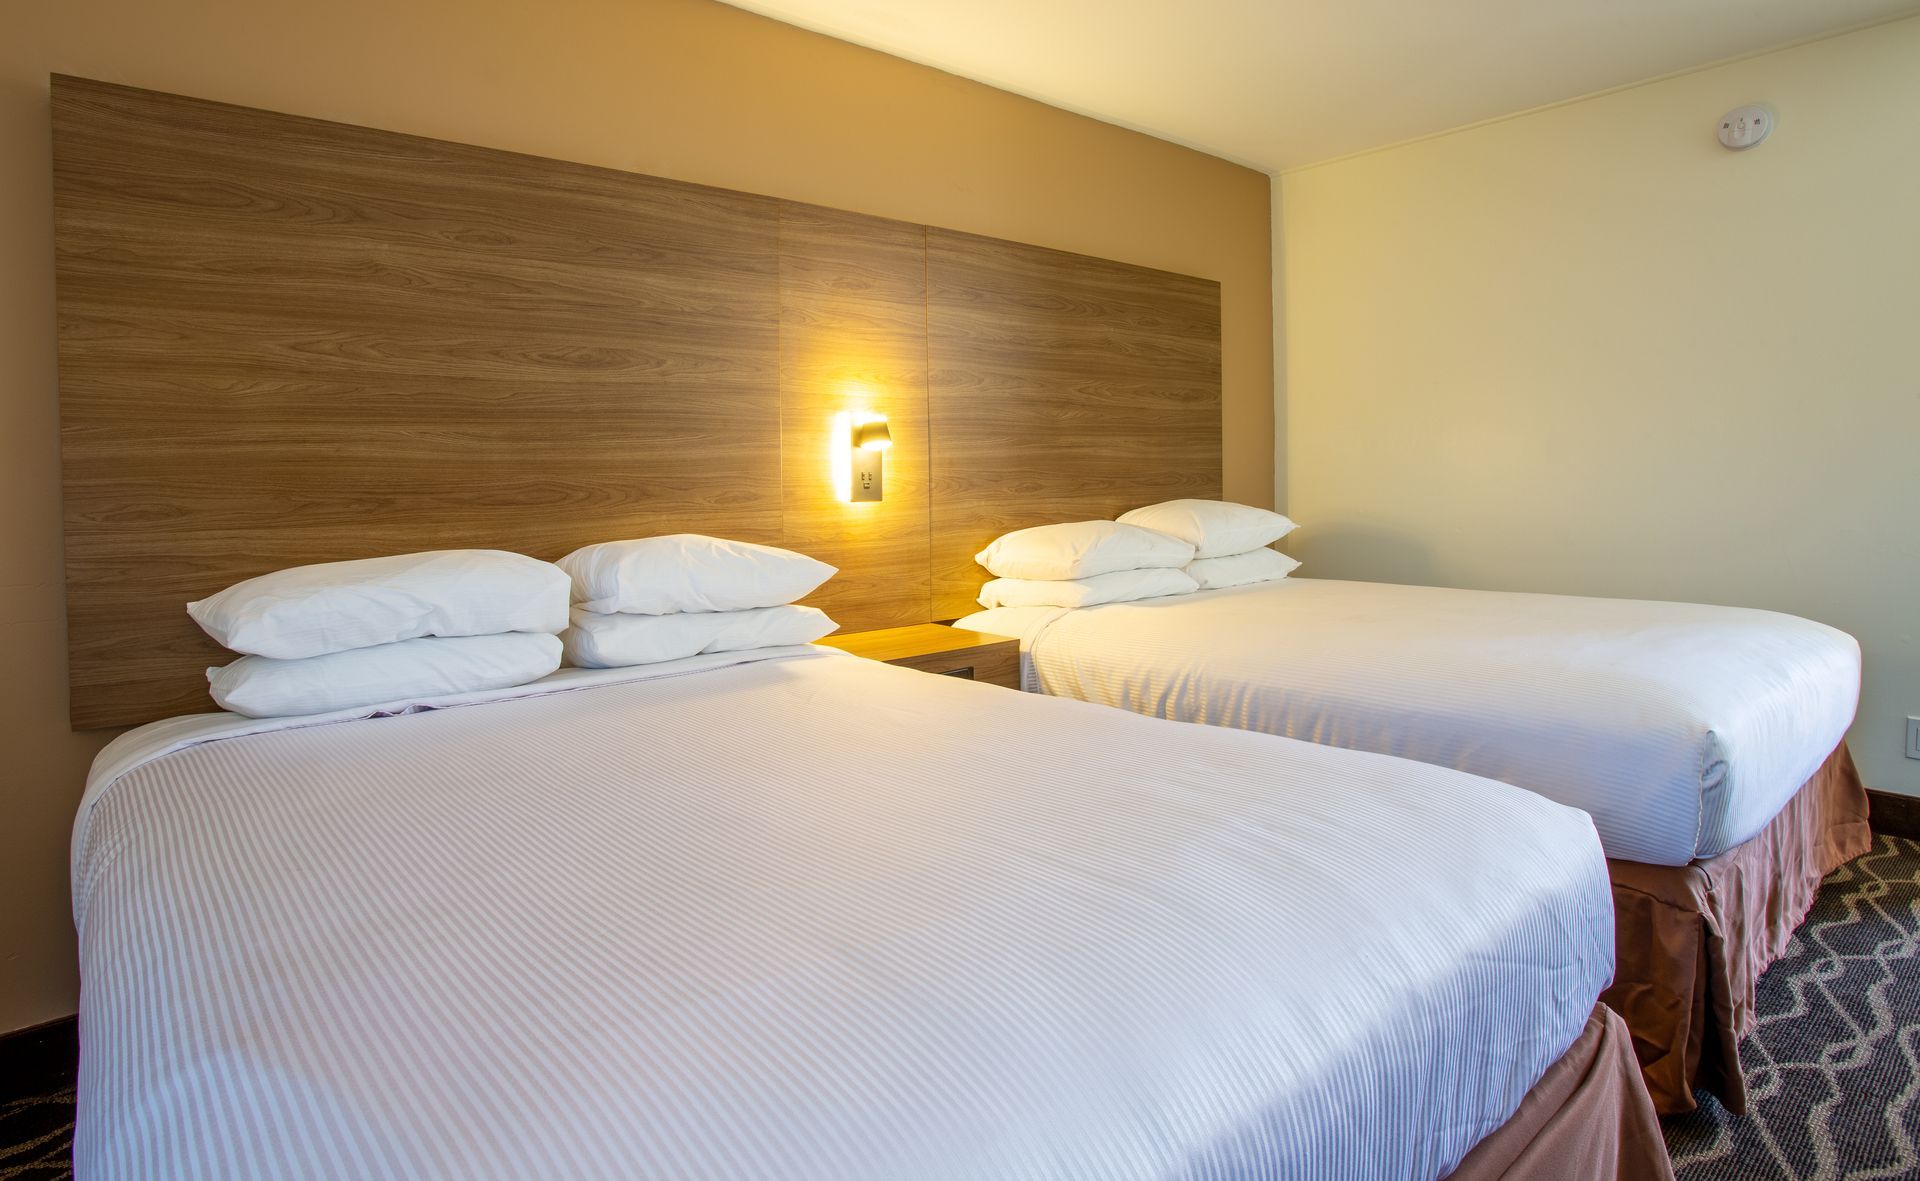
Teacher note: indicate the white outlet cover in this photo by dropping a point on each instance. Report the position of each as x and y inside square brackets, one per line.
[1744, 127]
[1913, 738]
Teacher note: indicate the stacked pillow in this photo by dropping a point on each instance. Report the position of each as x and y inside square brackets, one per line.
[1229, 540]
[342, 635]
[666, 598]
[1082, 564]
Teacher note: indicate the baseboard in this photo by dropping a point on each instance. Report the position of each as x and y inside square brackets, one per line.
[1893, 814]
[40, 1058]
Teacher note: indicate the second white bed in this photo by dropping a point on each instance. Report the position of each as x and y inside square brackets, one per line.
[1681, 728]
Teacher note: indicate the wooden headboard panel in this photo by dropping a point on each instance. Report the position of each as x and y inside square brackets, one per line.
[286, 341]
[1063, 388]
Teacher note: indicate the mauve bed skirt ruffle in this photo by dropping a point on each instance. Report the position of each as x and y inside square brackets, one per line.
[1587, 1119]
[1692, 940]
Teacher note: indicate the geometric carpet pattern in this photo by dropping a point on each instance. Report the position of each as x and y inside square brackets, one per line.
[1833, 1066]
[36, 1136]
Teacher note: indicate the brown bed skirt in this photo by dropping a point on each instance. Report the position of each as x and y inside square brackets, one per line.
[1692, 940]
[1587, 1119]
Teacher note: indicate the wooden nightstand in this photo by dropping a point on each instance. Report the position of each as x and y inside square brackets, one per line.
[937, 648]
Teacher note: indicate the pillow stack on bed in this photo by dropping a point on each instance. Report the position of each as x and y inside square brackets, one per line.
[1083, 564]
[342, 635]
[666, 598]
[1229, 540]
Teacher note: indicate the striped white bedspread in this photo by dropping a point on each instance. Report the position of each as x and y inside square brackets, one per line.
[812, 917]
[1681, 728]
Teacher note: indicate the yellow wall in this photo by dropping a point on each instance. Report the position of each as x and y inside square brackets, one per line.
[679, 88]
[1589, 350]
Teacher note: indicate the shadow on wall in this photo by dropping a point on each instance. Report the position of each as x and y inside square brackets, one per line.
[1363, 554]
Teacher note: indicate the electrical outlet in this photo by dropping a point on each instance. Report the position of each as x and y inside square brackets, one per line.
[1913, 738]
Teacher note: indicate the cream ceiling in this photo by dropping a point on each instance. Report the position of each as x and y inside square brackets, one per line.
[1277, 84]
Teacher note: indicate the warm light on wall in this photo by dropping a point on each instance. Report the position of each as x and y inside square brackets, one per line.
[859, 441]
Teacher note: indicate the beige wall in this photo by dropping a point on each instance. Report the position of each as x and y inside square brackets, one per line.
[1590, 350]
[679, 88]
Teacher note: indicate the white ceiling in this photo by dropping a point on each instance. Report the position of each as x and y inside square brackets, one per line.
[1277, 84]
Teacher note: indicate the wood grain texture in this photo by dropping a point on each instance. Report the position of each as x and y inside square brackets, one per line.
[938, 649]
[853, 336]
[1061, 388]
[998, 665]
[285, 341]
[912, 642]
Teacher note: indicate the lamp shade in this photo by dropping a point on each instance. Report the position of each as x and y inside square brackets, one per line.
[872, 436]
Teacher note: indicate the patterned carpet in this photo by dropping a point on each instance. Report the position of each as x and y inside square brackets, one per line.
[1833, 1070]
[36, 1136]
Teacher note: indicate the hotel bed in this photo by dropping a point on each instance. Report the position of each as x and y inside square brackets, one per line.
[1705, 742]
[791, 913]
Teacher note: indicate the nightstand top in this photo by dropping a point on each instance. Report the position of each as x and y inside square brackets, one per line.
[922, 639]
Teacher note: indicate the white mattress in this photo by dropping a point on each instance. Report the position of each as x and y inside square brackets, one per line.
[1681, 728]
[810, 917]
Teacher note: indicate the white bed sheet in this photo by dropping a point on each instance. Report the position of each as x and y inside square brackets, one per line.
[811, 917]
[1681, 728]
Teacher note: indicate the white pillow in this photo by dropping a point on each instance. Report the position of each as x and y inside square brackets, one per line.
[1081, 549]
[1261, 565]
[339, 606]
[1119, 587]
[615, 641]
[1214, 528]
[688, 572]
[410, 670]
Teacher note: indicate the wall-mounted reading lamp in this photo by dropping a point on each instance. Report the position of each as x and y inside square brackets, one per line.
[866, 439]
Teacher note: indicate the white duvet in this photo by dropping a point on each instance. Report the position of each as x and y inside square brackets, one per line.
[809, 917]
[1681, 728]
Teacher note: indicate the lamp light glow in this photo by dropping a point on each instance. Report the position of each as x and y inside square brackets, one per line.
[860, 439]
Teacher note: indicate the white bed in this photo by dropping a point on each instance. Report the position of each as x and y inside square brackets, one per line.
[1682, 729]
[808, 916]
